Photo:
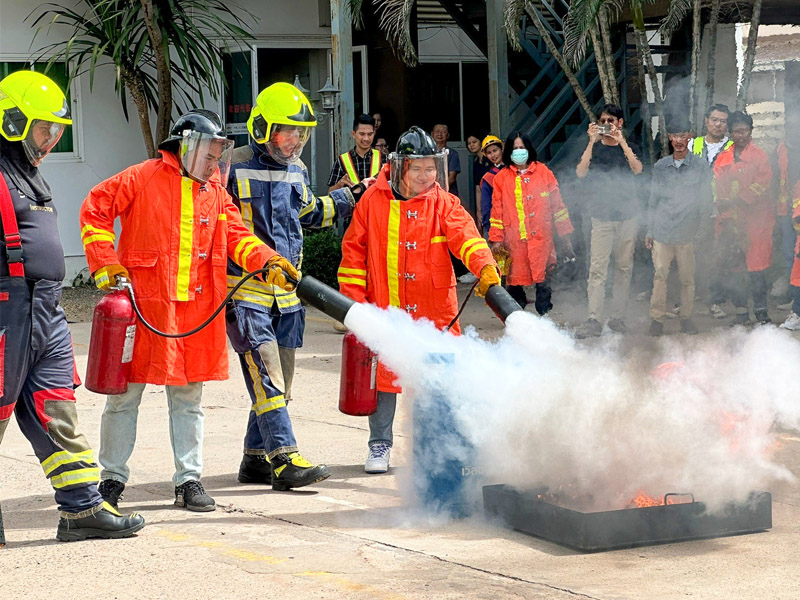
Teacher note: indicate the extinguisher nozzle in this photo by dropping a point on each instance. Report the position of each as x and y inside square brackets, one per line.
[324, 298]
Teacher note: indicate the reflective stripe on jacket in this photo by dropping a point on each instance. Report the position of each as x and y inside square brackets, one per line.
[175, 241]
[525, 209]
[397, 253]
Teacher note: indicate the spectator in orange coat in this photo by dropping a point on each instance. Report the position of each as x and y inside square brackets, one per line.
[528, 218]
[746, 218]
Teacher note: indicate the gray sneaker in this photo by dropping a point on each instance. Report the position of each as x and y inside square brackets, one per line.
[617, 326]
[591, 328]
[378, 458]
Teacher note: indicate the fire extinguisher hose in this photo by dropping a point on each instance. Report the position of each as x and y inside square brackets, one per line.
[463, 305]
[126, 285]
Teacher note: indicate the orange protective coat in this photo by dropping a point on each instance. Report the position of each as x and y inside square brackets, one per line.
[175, 241]
[524, 209]
[418, 277]
[746, 183]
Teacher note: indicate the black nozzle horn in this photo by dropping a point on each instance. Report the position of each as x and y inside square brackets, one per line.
[501, 302]
[324, 298]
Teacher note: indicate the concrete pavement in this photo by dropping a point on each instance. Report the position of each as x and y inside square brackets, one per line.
[350, 536]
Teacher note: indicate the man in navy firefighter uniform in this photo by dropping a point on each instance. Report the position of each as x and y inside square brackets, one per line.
[37, 366]
[265, 323]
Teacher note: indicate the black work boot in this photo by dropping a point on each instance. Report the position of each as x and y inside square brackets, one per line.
[106, 523]
[293, 471]
[111, 491]
[191, 495]
[762, 316]
[255, 469]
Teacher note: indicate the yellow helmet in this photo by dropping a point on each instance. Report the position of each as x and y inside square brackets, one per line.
[282, 108]
[489, 140]
[26, 99]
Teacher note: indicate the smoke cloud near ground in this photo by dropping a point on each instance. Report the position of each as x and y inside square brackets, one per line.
[597, 427]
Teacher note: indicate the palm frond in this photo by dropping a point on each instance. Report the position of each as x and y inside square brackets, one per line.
[354, 10]
[576, 42]
[678, 10]
[395, 21]
[512, 15]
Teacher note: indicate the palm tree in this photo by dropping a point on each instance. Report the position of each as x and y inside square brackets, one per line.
[712, 49]
[750, 56]
[172, 38]
[696, 30]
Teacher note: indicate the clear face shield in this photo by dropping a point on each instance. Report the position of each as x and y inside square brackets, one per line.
[416, 175]
[41, 139]
[285, 143]
[203, 154]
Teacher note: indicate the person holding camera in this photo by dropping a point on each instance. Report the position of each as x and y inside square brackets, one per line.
[610, 168]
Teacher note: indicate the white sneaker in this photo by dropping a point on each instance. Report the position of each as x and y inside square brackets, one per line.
[792, 322]
[378, 458]
[717, 312]
[467, 278]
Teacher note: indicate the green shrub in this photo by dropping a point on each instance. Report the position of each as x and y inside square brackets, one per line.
[322, 253]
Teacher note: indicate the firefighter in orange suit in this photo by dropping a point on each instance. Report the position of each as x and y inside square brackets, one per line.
[527, 210]
[396, 252]
[179, 226]
[745, 221]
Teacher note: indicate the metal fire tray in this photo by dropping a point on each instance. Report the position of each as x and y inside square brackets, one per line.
[607, 530]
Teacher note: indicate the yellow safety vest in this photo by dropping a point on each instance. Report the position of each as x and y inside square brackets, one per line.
[699, 143]
[350, 167]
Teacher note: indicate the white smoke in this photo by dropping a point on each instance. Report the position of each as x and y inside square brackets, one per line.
[595, 426]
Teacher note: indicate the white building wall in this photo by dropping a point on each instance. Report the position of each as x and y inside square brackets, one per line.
[108, 144]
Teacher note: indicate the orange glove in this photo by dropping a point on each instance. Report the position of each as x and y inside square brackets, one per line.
[489, 277]
[105, 277]
[279, 268]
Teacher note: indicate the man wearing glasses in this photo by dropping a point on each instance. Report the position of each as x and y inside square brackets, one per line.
[716, 139]
[609, 169]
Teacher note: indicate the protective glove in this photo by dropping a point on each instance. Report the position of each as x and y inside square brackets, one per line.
[489, 277]
[105, 277]
[279, 268]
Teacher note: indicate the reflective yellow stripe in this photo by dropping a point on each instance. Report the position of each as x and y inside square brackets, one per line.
[393, 253]
[757, 189]
[347, 162]
[98, 237]
[795, 202]
[101, 277]
[246, 209]
[242, 247]
[376, 163]
[75, 477]
[697, 146]
[185, 246]
[248, 250]
[523, 232]
[545, 194]
[561, 215]
[438, 238]
[91, 228]
[255, 377]
[244, 188]
[306, 206]
[269, 404]
[52, 462]
[222, 217]
[348, 270]
[361, 282]
[471, 250]
[466, 245]
[267, 300]
[328, 211]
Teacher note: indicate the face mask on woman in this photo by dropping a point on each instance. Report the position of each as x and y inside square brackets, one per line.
[519, 156]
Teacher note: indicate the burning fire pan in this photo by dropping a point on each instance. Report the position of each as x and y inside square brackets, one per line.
[529, 513]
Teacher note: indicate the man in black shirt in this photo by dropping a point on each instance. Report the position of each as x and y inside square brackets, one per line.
[37, 366]
[609, 169]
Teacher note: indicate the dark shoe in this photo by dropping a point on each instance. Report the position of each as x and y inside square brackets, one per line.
[617, 325]
[656, 328]
[762, 316]
[111, 491]
[591, 328]
[294, 471]
[688, 327]
[255, 469]
[106, 523]
[191, 495]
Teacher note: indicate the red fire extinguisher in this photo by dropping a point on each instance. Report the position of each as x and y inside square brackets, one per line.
[111, 344]
[358, 390]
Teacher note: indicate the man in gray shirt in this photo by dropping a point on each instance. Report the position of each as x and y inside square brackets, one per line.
[680, 199]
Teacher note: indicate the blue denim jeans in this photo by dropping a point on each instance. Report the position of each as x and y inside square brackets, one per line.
[118, 431]
[381, 421]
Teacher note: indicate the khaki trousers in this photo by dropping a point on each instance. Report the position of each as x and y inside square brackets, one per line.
[662, 260]
[617, 237]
